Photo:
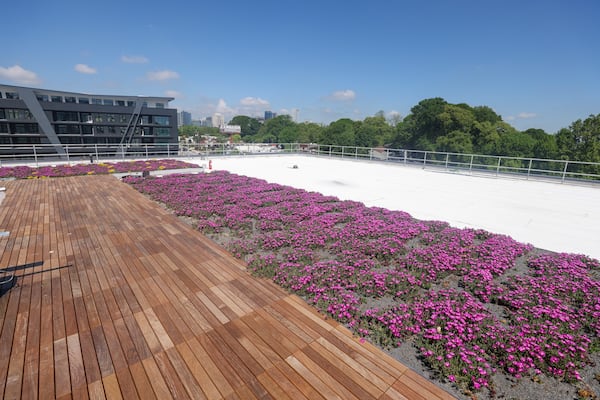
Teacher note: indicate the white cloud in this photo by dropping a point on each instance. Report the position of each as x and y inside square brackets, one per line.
[343, 95]
[223, 108]
[526, 115]
[162, 75]
[85, 69]
[172, 93]
[18, 74]
[522, 115]
[254, 101]
[134, 59]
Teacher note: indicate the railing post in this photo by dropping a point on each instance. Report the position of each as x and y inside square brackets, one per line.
[471, 164]
[564, 172]
[447, 155]
[146, 147]
[424, 160]
[67, 152]
[498, 167]
[404, 156]
[356, 152]
[96, 151]
[35, 156]
[529, 168]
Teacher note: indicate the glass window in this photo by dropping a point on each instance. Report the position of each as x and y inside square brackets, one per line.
[145, 119]
[162, 131]
[160, 105]
[84, 100]
[24, 128]
[87, 118]
[70, 99]
[0, 95]
[42, 97]
[63, 129]
[12, 95]
[56, 99]
[131, 104]
[3, 127]
[4, 139]
[108, 102]
[162, 120]
[17, 113]
[86, 130]
[96, 101]
[121, 103]
[66, 116]
[145, 104]
[26, 140]
[2, 113]
[124, 118]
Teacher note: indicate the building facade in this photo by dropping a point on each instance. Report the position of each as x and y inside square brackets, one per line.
[31, 116]
[184, 119]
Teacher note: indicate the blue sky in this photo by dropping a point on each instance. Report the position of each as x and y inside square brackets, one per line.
[536, 63]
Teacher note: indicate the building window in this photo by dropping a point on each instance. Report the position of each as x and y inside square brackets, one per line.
[130, 103]
[162, 131]
[70, 99]
[3, 127]
[108, 102]
[63, 129]
[42, 97]
[12, 95]
[145, 119]
[66, 116]
[86, 130]
[160, 105]
[18, 114]
[56, 99]
[96, 101]
[24, 128]
[84, 100]
[2, 113]
[26, 140]
[4, 139]
[121, 103]
[162, 120]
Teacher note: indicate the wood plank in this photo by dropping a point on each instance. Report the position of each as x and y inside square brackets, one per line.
[150, 308]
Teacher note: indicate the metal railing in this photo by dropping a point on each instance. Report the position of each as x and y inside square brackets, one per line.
[525, 168]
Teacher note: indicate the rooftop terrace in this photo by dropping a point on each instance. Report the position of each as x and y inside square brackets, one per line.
[117, 298]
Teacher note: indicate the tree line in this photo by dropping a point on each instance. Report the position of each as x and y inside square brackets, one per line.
[435, 125]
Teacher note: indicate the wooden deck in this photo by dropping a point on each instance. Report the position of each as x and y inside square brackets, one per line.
[117, 298]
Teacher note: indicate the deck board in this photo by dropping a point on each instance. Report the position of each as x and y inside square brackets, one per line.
[119, 299]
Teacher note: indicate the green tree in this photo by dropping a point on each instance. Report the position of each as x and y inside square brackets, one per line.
[455, 142]
[485, 113]
[581, 141]
[269, 132]
[250, 126]
[309, 132]
[340, 132]
[373, 132]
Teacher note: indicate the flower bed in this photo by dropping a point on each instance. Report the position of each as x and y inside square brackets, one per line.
[26, 172]
[475, 304]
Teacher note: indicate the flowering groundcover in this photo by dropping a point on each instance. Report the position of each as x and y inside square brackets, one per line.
[26, 172]
[474, 303]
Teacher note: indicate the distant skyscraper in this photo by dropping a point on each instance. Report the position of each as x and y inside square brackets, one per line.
[295, 114]
[269, 115]
[218, 120]
[208, 122]
[184, 118]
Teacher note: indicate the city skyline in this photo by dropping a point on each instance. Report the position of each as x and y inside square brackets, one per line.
[536, 63]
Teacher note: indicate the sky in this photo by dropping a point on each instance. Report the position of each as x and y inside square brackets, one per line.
[536, 63]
